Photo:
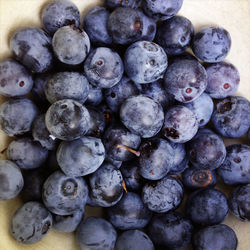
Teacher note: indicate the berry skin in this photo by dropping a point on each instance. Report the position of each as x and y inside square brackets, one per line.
[95, 24]
[142, 116]
[131, 176]
[194, 178]
[67, 85]
[134, 240]
[185, 79]
[80, 157]
[15, 79]
[202, 107]
[67, 223]
[26, 153]
[96, 234]
[129, 213]
[67, 120]
[239, 201]
[125, 25]
[32, 47]
[164, 195]
[211, 44]
[175, 35]
[112, 4]
[170, 230]
[156, 158]
[145, 62]
[71, 45]
[106, 186]
[41, 134]
[235, 169]
[161, 9]
[232, 117]
[223, 80]
[95, 96]
[11, 180]
[116, 95]
[221, 237]
[120, 143]
[180, 124]
[59, 13]
[103, 67]
[207, 207]
[206, 150]
[17, 115]
[30, 223]
[63, 195]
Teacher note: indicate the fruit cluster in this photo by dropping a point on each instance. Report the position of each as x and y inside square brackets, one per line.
[120, 116]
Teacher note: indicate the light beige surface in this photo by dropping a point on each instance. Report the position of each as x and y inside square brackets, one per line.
[234, 15]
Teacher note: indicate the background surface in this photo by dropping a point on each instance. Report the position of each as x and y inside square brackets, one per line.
[232, 15]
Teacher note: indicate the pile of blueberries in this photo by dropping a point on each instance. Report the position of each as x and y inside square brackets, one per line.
[120, 116]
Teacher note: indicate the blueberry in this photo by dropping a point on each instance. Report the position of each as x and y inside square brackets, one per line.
[96, 234]
[156, 158]
[211, 44]
[59, 13]
[67, 119]
[67, 223]
[202, 107]
[32, 47]
[38, 90]
[33, 184]
[113, 162]
[239, 202]
[149, 27]
[180, 124]
[170, 231]
[67, 85]
[232, 117]
[207, 207]
[106, 185]
[185, 79]
[103, 67]
[17, 115]
[26, 153]
[129, 213]
[164, 195]
[142, 116]
[11, 180]
[180, 159]
[116, 95]
[30, 223]
[194, 178]
[145, 62]
[63, 195]
[80, 157]
[157, 92]
[134, 240]
[236, 168]
[97, 123]
[131, 176]
[125, 25]
[120, 144]
[15, 79]
[41, 134]
[95, 24]
[126, 3]
[71, 45]
[175, 35]
[223, 80]
[215, 237]
[95, 96]
[161, 9]
[206, 150]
